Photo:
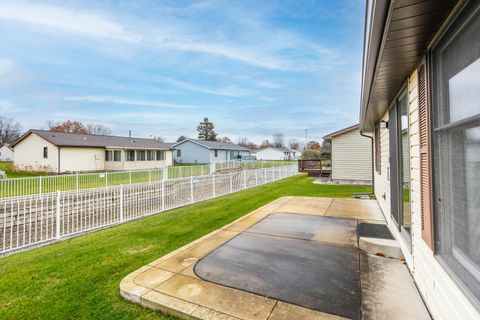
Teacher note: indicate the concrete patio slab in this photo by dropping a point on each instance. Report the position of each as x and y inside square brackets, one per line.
[308, 227]
[169, 283]
[355, 209]
[287, 269]
[230, 301]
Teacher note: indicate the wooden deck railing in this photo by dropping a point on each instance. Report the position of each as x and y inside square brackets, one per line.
[316, 167]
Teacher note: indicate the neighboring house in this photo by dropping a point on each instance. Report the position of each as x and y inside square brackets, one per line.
[351, 155]
[201, 151]
[272, 153]
[39, 150]
[6, 153]
[420, 103]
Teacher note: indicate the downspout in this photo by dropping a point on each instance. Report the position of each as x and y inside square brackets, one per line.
[58, 164]
[373, 161]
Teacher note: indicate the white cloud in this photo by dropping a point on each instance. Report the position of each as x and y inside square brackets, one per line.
[67, 20]
[231, 91]
[130, 102]
[6, 66]
[95, 25]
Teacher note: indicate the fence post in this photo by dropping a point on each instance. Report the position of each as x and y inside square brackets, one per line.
[76, 181]
[165, 173]
[256, 177]
[213, 185]
[273, 171]
[265, 175]
[121, 203]
[231, 182]
[130, 177]
[212, 167]
[191, 189]
[41, 184]
[245, 178]
[163, 195]
[58, 215]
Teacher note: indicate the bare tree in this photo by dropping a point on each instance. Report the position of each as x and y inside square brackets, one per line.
[265, 143]
[242, 141]
[224, 139]
[10, 130]
[97, 128]
[158, 138]
[294, 144]
[278, 140]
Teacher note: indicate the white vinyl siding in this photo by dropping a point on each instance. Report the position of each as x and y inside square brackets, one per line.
[351, 157]
[444, 298]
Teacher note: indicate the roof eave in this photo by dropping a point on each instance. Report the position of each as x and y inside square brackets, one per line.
[376, 20]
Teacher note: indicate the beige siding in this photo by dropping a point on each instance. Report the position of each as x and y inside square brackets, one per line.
[28, 154]
[442, 295]
[82, 159]
[351, 157]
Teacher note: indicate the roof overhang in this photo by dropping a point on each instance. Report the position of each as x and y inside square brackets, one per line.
[397, 34]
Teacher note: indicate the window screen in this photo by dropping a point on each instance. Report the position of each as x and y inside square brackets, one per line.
[160, 155]
[140, 155]
[130, 155]
[150, 155]
[456, 147]
[117, 155]
[45, 152]
[108, 155]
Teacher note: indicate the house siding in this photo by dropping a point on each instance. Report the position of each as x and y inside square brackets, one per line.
[351, 157]
[192, 153]
[441, 293]
[74, 159]
[28, 155]
[272, 154]
[6, 154]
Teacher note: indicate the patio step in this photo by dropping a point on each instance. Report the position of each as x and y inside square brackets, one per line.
[381, 247]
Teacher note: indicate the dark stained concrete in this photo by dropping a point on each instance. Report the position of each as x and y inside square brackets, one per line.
[372, 230]
[278, 258]
[308, 227]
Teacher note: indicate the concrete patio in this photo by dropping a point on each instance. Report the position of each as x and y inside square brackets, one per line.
[295, 258]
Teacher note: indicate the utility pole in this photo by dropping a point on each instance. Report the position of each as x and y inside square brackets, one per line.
[306, 131]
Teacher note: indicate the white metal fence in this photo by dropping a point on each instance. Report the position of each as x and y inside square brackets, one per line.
[35, 219]
[45, 184]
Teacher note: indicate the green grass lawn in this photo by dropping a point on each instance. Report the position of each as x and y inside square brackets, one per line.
[79, 278]
[10, 174]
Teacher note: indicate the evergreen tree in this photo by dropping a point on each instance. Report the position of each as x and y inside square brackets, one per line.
[206, 130]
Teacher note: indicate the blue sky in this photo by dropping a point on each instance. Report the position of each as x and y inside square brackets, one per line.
[158, 67]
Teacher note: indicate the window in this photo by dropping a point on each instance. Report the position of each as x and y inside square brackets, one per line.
[129, 155]
[150, 155]
[216, 153]
[161, 155]
[140, 155]
[45, 152]
[455, 87]
[179, 153]
[108, 155]
[117, 155]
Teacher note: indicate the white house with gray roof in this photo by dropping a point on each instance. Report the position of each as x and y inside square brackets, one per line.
[57, 152]
[200, 151]
[273, 153]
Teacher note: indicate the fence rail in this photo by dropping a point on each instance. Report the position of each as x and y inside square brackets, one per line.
[79, 181]
[32, 220]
